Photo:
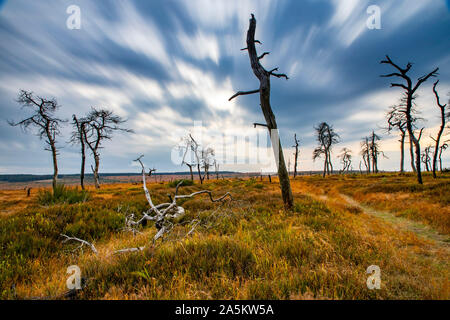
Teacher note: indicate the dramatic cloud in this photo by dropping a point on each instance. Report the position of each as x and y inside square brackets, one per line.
[169, 65]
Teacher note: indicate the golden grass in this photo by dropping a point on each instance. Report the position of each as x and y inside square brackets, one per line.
[253, 250]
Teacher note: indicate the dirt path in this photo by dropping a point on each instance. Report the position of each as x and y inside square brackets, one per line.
[418, 228]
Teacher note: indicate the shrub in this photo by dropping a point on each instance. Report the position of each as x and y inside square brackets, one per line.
[185, 183]
[61, 194]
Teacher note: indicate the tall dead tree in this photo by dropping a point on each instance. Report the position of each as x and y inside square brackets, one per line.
[198, 153]
[207, 160]
[44, 120]
[186, 147]
[164, 214]
[444, 117]
[101, 125]
[216, 168]
[264, 93]
[397, 120]
[365, 153]
[443, 147]
[296, 141]
[409, 91]
[374, 150]
[79, 133]
[426, 158]
[326, 137]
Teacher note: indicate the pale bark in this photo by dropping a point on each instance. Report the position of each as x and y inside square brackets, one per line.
[264, 92]
[441, 128]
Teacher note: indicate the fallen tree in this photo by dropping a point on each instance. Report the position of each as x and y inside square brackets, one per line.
[164, 214]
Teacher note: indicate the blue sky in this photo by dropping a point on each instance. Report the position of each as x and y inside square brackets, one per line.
[166, 65]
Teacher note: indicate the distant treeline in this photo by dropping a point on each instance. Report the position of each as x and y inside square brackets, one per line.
[39, 177]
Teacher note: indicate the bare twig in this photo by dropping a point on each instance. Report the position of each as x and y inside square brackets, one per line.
[83, 242]
[243, 93]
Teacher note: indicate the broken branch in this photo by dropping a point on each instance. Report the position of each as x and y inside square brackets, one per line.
[243, 93]
[83, 242]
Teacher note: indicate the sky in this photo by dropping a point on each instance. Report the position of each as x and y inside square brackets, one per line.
[169, 67]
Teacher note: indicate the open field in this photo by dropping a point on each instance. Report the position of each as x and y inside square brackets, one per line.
[250, 248]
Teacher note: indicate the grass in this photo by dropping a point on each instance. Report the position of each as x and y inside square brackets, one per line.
[184, 182]
[400, 194]
[252, 249]
[62, 194]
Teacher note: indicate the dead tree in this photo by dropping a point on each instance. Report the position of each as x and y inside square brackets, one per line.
[365, 153]
[207, 160]
[197, 153]
[101, 125]
[186, 147]
[326, 137]
[374, 150]
[444, 117]
[442, 148]
[426, 158]
[43, 118]
[296, 141]
[397, 120]
[409, 91]
[79, 133]
[216, 167]
[346, 159]
[164, 214]
[264, 93]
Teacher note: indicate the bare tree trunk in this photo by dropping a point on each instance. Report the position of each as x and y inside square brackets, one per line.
[402, 152]
[199, 173]
[441, 129]
[329, 161]
[97, 164]
[411, 152]
[296, 155]
[55, 166]
[418, 169]
[375, 163]
[264, 93]
[295, 165]
[325, 165]
[83, 164]
[192, 174]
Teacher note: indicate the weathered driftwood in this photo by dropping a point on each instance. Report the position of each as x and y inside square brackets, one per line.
[165, 213]
[162, 214]
[83, 242]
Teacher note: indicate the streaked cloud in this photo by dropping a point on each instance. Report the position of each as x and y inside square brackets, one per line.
[166, 64]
